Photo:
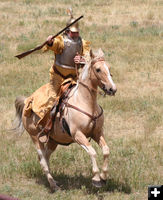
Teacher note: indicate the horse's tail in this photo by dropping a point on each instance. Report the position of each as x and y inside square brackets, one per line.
[18, 124]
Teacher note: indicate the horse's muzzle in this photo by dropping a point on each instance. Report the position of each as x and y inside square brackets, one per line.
[110, 91]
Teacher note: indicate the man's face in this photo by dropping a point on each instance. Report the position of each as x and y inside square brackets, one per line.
[73, 35]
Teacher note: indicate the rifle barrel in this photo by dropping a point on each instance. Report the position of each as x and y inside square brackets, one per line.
[40, 46]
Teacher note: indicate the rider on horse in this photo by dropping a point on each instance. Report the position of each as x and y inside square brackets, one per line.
[69, 50]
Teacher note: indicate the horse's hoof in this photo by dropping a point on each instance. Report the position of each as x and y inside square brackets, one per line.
[97, 184]
[103, 182]
[55, 189]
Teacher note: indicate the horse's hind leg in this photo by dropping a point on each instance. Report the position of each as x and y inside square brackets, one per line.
[44, 152]
[99, 138]
[83, 142]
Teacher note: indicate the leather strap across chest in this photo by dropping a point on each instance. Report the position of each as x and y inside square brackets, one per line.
[94, 118]
[64, 101]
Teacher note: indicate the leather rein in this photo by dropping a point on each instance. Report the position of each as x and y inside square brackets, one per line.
[93, 118]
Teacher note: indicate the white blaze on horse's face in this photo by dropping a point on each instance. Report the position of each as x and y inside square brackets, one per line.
[107, 83]
[109, 77]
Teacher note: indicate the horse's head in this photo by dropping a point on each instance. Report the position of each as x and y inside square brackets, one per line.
[101, 72]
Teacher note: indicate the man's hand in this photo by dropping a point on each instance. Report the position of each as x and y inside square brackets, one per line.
[78, 59]
[50, 40]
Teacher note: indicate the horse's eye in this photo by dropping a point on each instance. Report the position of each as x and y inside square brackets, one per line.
[98, 70]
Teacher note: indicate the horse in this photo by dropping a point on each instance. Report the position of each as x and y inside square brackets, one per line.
[83, 118]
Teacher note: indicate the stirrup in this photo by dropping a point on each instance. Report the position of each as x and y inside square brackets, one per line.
[44, 139]
[43, 136]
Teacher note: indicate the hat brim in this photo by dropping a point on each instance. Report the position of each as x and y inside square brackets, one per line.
[74, 29]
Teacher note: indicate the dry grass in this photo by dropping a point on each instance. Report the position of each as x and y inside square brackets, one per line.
[130, 33]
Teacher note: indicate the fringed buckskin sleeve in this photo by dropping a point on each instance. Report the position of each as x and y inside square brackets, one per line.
[57, 46]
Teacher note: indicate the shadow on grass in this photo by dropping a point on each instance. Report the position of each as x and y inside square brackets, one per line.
[84, 183]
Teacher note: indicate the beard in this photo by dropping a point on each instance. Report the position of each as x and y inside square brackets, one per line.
[75, 39]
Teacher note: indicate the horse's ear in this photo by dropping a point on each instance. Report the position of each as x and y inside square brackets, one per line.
[92, 54]
[100, 52]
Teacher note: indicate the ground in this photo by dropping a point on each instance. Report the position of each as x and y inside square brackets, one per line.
[130, 33]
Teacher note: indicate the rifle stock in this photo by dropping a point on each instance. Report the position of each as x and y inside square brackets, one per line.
[30, 51]
[41, 46]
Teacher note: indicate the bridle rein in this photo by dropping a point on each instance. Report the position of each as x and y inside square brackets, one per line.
[93, 118]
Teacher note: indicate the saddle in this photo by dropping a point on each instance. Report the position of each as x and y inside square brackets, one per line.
[64, 91]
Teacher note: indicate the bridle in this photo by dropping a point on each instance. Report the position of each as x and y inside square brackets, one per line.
[88, 87]
[93, 63]
[93, 118]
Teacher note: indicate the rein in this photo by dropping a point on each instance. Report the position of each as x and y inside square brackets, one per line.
[93, 118]
[65, 99]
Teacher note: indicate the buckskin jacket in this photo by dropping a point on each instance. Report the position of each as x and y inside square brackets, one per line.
[65, 49]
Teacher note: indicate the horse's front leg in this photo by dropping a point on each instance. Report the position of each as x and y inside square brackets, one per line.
[83, 142]
[99, 138]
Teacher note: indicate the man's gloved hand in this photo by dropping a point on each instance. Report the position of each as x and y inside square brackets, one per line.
[78, 59]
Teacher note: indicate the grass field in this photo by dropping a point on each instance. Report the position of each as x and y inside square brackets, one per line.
[130, 32]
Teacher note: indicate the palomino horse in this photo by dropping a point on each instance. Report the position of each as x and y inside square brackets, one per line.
[82, 115]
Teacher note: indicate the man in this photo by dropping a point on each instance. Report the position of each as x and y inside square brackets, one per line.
[69, 50]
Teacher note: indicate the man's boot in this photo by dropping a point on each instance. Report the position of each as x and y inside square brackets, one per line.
[43, 135]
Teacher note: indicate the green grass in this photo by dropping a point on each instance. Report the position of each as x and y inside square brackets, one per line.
[130, 34]
[126, 174]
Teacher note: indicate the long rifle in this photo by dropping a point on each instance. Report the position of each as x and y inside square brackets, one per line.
[40, 46]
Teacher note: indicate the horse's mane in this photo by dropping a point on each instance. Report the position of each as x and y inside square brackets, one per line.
[85, 71]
